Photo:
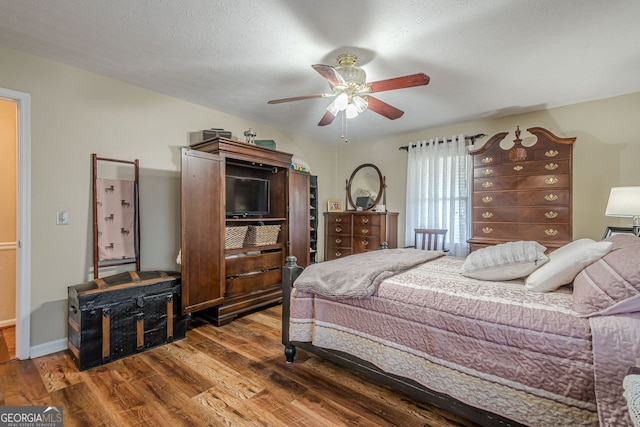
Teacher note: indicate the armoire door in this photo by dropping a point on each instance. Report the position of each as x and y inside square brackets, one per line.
[202, 198]
[299, 240]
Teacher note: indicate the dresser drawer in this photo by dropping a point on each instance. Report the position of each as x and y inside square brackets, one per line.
[527, 215]
[337, 253]
[535, 232]
[556, 153]
[339, 241]
[505, 183]
[339, 228]
[366, 230]
[366, 219]
[522, 168]
[364, 244]
[521, 198]
[343, 218]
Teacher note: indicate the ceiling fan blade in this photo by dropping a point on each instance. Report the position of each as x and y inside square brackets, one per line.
[419, 79]
[384, 109]
[327, 119]
[300, 98]
[329, 73]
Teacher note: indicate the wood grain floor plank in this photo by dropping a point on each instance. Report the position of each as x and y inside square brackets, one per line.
[183, 377]
[82, 407]
[57, 371]
[22, 385]
[173, 406]
[119, 398]
[5, 354]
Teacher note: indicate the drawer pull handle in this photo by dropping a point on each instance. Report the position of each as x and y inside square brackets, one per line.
[486, 215]
[551, 214]
[365, 243]
[365, 220]
[551, 232]
[338, 229]
[365, 231]
[487, 230]
[551, 153]
[487, 160]
[487, 171]
[551, 197]
[551, 166]
[338, 241]
[518, 168]
[551, 181]
[338, 254]
[487, 184]
[338, 219]
[487, 199]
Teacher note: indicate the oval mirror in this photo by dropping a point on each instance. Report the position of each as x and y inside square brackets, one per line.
[366, 187]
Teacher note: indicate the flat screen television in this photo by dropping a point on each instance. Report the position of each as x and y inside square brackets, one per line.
[247, 196]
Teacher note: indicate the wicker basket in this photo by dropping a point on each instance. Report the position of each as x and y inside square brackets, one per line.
[234, 237]
[262, 235]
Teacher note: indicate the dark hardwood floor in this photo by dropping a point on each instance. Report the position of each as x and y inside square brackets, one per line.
[7, 344]
[234, 375]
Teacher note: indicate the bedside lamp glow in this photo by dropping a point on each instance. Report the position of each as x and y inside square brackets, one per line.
[624, 202]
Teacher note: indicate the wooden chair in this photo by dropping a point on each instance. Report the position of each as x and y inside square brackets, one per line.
[432, 239]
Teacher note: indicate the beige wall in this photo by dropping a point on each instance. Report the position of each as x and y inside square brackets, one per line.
[605, 155]
[75, 113]
[7, 211]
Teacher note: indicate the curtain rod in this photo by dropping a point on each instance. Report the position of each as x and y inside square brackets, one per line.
[466, 137]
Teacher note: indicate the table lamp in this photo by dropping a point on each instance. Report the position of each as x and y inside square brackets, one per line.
[624, 202]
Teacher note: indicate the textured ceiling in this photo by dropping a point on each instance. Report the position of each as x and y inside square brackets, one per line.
[486, 58]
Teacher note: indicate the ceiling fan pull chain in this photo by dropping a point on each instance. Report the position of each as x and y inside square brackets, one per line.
[344, 136]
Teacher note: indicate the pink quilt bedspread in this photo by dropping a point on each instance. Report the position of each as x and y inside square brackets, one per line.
[493, 345]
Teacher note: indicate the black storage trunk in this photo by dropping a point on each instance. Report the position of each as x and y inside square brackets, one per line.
[123, 314]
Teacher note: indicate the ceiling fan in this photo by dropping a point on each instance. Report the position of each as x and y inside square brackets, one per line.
[348, 85]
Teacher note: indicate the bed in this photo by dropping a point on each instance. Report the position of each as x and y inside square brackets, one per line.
[494, 352]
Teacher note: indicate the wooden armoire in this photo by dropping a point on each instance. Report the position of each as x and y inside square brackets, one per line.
[220, 283]
[523, 192]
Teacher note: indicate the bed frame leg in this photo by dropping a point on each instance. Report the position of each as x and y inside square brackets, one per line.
[290, 273]
[290, 353]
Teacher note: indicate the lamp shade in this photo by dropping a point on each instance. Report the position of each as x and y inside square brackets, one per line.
[624, 202]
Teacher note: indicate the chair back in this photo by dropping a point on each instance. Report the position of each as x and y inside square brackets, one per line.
[431, 239]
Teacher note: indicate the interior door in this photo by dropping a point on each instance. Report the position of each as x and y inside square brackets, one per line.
[202, 198]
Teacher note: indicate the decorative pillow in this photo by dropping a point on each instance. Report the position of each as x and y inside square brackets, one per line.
[565, 263]
[612, 284]
[506, 261]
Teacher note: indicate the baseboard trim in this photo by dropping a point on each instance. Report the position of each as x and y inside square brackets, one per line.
[48, 348]
[6, 323]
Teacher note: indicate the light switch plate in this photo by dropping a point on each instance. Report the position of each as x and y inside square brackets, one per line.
[62, 218]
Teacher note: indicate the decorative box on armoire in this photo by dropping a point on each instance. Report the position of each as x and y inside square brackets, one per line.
[123, 314]
[522, 192]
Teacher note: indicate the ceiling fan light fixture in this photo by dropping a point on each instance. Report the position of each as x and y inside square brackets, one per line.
[341, 101]
[360, 103]
[351, 111]
[332, 108]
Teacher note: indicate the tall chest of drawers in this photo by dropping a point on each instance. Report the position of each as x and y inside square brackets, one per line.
[347, 233]
[522, 192]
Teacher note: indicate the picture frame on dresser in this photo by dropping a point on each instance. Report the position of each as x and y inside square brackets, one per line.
[610, 231]
[335, 205]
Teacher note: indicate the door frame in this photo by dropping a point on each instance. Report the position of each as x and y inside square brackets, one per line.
[23, 221]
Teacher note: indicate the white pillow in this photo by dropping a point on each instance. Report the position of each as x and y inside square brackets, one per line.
[565, 263]
[506, 261]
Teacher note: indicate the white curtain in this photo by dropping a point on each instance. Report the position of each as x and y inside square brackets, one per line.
[439, 175]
